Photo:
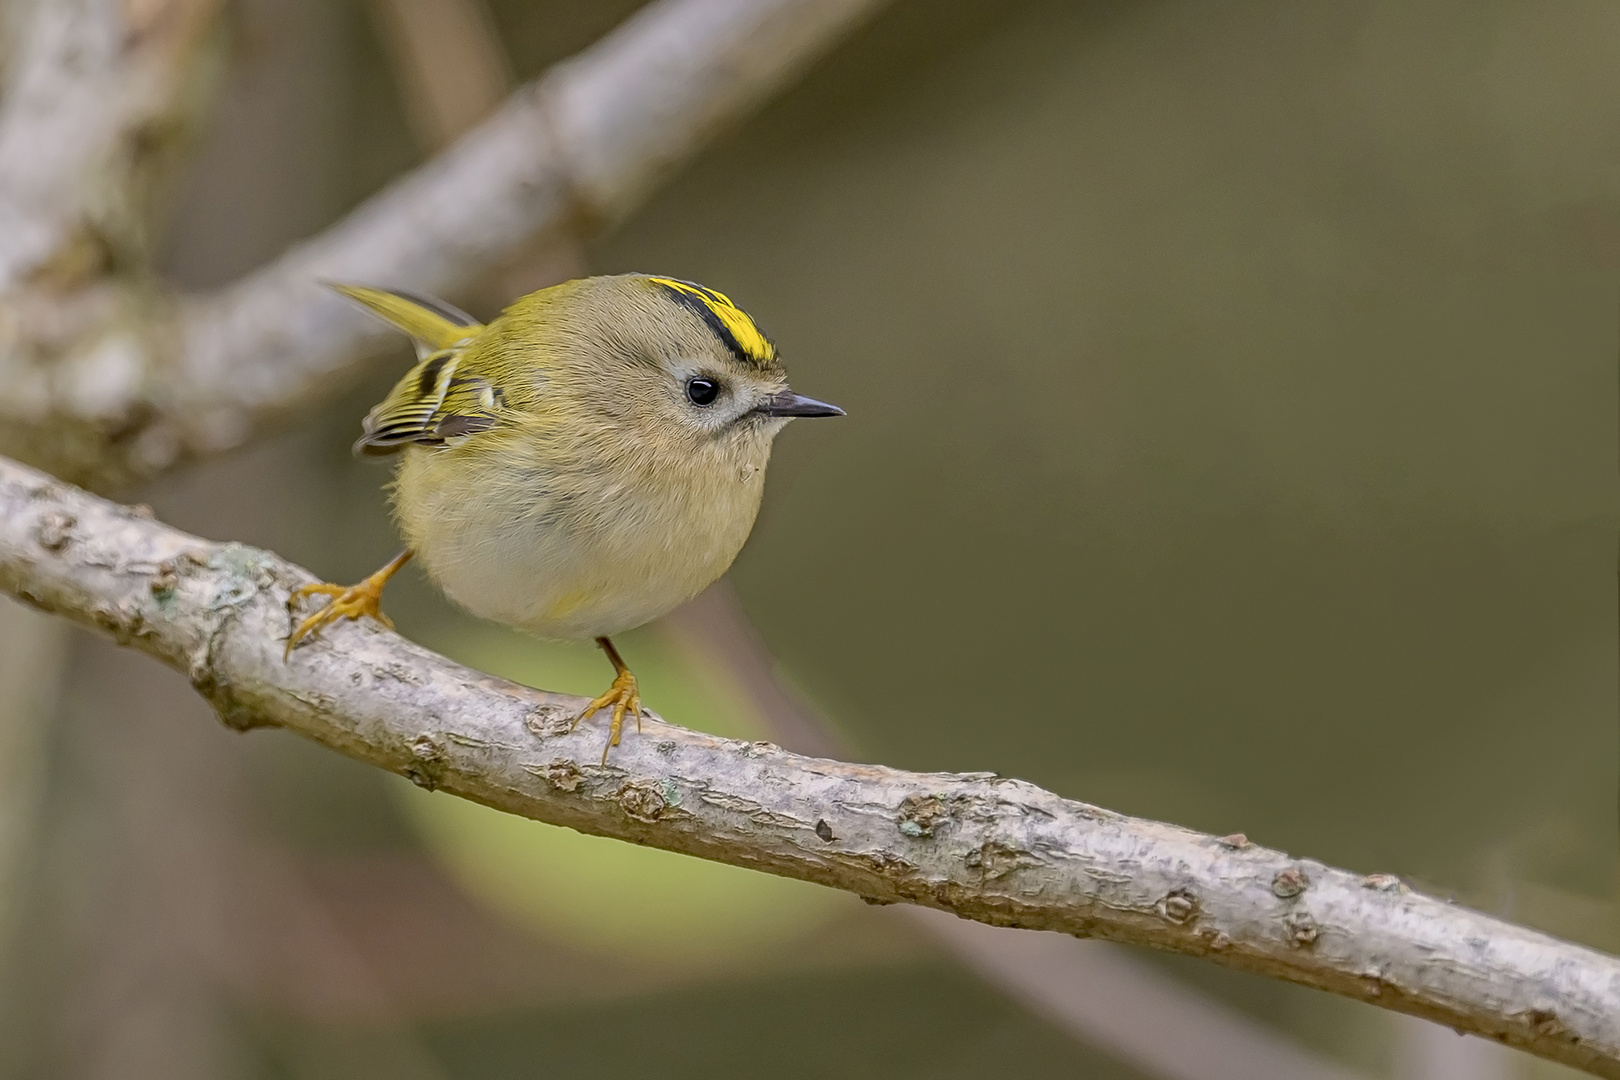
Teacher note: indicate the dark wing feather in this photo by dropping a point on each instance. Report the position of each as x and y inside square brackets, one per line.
[430, 405]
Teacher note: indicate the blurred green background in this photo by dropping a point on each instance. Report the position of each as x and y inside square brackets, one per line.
[1232, 395]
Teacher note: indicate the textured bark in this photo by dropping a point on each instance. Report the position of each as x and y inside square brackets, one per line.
[986, 848]
[111, 379]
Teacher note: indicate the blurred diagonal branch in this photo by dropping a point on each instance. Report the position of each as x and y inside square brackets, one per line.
[997, 851]
[111, 379]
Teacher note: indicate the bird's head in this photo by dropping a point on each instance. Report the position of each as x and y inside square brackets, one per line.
[674, 368]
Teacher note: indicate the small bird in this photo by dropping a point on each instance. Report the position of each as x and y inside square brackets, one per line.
[585, 463]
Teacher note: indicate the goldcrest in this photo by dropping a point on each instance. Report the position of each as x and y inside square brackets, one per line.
[585, 463]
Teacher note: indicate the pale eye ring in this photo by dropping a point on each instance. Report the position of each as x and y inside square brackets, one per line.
[702, 392]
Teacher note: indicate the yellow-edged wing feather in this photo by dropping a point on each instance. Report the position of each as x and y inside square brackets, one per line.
[436, 401]
[432, 324]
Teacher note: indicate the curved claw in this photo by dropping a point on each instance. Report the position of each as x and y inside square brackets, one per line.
[624, 696]
[348, 602]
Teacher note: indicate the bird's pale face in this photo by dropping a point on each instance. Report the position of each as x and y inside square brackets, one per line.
[699, 387]
[699, 410]
[673, 383]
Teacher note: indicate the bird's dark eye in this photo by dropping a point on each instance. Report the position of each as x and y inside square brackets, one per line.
[702, 392]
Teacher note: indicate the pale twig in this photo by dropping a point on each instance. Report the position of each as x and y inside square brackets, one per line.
[990, 849]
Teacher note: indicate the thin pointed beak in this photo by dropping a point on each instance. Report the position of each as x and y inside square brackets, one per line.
[787, 403]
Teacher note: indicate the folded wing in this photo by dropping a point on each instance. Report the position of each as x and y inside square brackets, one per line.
[437, 400]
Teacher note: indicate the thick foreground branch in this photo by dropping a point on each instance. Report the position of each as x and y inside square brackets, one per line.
[986, 848]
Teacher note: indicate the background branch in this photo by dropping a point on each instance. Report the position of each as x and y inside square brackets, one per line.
[989, 849]
[97, 95]
[98, 100]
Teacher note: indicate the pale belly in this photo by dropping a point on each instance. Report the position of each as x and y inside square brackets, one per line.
[571, 567]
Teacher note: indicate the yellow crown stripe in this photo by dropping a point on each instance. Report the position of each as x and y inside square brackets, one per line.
[743, 333]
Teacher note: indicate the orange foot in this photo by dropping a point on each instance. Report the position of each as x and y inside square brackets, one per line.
[348, 602]
[624, 696]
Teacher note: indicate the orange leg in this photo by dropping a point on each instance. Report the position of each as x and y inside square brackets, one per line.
[624, 696]
[348, 601]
